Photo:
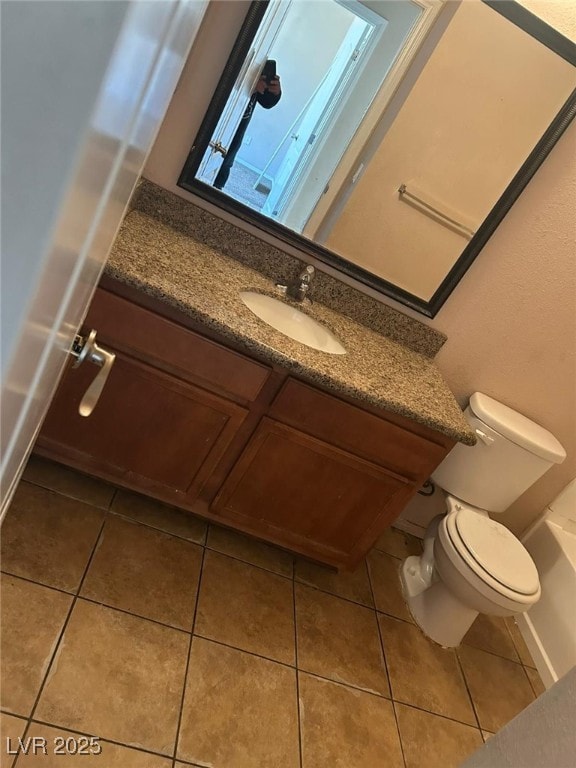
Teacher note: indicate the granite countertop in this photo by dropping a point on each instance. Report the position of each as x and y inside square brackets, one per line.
[204, 284]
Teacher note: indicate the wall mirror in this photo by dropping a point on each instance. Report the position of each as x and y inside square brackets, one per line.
[404, 132]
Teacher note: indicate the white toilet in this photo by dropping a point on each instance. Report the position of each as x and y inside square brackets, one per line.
[472, 564]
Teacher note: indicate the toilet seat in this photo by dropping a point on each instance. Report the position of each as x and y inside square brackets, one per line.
[489, 557]
[495, 550]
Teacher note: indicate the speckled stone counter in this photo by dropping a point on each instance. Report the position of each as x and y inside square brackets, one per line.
[228, 239]
[205, 284]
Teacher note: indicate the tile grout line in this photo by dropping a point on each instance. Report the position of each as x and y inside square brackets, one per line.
[187, 667]
[434, 714]
[340, 597]
[204, 543]
[461, 668]
[243, 650]
[385, 664]
[530, 681]
[37, 583]
[247, 562]
[109, 508]
[296, 663]
[72, 497]
[12, 714]
[492, 653]
[61, 634]
[396, 618]
[354, 602]
[367, 691]
[93, 601]
[131, 613]
[521, 661]
[129, 519]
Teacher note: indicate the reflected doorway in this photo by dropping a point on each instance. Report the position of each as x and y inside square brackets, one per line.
[290, 153]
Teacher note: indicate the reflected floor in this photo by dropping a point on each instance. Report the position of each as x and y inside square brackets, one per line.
[240, 186]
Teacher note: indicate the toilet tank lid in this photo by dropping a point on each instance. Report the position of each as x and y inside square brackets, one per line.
[517, 428]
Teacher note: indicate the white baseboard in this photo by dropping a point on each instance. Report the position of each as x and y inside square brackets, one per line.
[539, 655]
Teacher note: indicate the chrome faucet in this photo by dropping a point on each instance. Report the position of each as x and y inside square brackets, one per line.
[298, 289]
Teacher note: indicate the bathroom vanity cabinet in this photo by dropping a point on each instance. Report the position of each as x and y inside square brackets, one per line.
[198, 424]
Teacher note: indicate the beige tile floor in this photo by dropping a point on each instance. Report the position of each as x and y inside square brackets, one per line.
[180, 644]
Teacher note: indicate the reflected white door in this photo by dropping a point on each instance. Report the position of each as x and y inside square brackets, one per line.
[241, 92]
[316, 117]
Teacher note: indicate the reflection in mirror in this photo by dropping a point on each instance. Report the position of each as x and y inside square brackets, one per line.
[395, 184]
[333, 59]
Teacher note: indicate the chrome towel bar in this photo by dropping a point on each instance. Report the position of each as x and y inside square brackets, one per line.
[418, 201]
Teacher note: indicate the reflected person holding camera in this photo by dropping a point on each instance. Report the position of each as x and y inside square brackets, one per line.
[267, 94]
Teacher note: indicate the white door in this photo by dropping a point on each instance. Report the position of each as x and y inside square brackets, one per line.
[317, 115]
[397, 23]
[242, 90]
[85, 87]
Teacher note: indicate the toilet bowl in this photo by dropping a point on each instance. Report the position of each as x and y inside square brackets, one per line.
[479, 566]
[472, 564]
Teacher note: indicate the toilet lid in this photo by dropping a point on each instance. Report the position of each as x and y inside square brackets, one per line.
[496, 550]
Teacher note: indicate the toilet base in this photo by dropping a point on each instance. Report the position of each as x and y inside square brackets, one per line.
[438, 613]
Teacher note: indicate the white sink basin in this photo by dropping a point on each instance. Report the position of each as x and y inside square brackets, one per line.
[293, 323]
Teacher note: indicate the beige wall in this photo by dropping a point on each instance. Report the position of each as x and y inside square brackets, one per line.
[511, 322]
[487, 94]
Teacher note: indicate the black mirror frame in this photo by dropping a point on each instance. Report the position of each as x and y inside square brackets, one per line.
[511, 10]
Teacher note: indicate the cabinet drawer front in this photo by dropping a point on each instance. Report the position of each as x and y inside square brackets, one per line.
[154, 339]
[358, 431]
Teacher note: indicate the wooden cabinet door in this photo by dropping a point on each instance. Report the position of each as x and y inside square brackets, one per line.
[309, 496]
[148, 427]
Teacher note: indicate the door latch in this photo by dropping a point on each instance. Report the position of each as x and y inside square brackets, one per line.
[86, 349]
[218, 147]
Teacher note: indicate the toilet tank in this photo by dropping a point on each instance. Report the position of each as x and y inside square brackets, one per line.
[511, 453]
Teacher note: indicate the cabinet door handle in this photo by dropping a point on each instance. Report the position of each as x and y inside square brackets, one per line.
[87, 349]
